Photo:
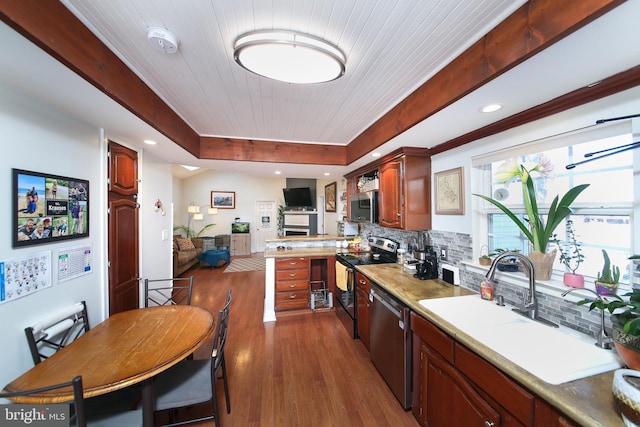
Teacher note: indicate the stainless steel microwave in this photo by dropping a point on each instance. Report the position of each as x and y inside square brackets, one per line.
[363, 207]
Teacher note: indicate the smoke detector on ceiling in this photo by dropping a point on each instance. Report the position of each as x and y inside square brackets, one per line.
[162, 40]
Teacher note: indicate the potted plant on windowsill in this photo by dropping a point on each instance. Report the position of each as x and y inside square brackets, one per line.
[533, 227]
[571, 257]
[625, 318]
[607, 280]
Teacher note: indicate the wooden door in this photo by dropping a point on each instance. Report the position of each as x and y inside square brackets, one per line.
[390, 194]
[123, 229]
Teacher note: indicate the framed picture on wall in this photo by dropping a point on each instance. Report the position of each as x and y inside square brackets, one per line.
[449, 192]
[48, 208]
[223, 199]
[330, 197]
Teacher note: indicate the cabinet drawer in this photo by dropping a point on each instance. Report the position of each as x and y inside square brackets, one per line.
[433, 337]
[292, 300]
[292, 285]
[362, 282]
[511, 396]
[296, 274]
[291, 263]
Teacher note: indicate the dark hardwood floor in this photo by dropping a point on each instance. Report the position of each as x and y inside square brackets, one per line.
[299, 371]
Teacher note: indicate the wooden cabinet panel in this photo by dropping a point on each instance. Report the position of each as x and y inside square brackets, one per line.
[450, 399]
[363, 304]
[391, 195]
[292, 284]
[240, 244]
[293, 300]
[440, 342]
[511, 396]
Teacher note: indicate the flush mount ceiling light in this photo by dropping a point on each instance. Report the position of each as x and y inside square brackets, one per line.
[289, 56]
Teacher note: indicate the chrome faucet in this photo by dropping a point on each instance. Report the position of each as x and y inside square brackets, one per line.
[530, 308]
[603, 340]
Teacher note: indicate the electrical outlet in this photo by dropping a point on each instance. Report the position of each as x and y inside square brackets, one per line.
[443, 253]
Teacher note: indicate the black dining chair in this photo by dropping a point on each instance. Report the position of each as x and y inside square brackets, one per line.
[193, 382]
[79, 415]
[56, 331]
[172, 291]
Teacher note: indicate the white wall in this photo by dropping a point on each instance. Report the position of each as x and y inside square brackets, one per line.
[39, 138]
[622, 104]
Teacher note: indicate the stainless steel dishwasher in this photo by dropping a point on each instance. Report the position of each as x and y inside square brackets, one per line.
[390, 342]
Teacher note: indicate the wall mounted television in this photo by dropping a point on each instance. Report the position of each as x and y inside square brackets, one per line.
[297, 198]
[48, 208]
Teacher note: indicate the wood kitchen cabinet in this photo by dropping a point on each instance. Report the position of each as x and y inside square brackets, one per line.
[292, 284]
[454, 386]
[404, 189]
[363, 285]
[240, 244]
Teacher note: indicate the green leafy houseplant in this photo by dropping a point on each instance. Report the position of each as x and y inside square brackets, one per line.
[190, 232]
[629, 317]
[570, 253]
[533, 227]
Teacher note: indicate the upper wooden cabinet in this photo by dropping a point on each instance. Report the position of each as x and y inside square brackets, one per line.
[405, 188]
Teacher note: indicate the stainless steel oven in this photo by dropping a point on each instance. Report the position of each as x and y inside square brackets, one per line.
[383, 250]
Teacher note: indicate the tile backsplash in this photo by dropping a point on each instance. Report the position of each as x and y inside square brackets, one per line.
[459, 247]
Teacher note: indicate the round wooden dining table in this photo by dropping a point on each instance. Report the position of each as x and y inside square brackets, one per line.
[127, 348]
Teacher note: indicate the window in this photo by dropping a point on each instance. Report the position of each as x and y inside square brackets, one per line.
[603, 213]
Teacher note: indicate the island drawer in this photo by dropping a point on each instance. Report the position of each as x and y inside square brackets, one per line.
[293, 300]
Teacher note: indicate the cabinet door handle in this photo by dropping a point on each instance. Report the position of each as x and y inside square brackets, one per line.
[488, 424]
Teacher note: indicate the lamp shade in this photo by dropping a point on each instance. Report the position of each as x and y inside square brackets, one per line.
[212, 211]
[289, 56]
[198, 217]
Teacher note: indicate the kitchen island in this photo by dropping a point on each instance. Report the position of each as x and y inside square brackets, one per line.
[319, 247]
[587, 401]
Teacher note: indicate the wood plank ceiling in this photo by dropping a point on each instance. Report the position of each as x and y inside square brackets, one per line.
[407, 60]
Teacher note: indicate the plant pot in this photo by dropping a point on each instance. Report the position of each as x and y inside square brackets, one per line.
[627, 346]
[626, 395]
[484, 261]
[604, 289]
[573, 280]
[542, 264]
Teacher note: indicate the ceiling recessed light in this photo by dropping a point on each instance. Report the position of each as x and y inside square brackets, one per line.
[376, 154]
[278, 172]
[327, 174]
[149, 142]
[491, 108]
[190, 168]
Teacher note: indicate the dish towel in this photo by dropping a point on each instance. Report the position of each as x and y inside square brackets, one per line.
[341, 276]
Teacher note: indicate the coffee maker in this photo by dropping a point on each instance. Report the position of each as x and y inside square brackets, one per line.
[427, 266]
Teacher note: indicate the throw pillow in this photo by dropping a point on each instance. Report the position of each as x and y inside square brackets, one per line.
[185, 244]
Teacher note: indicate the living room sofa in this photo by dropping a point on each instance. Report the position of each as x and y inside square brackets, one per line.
[185, 257]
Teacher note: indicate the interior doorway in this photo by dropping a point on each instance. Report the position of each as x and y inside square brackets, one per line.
[266, 220]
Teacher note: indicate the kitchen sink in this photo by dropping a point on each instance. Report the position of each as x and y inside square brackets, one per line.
[555, 355]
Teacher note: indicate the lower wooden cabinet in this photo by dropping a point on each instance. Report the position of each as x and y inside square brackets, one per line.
[292, 284]
[455, 386]
[363, 285]
[240, 244]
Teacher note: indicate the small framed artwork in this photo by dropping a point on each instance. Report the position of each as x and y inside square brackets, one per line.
[330, 197]
[449, 192]
[223, 199]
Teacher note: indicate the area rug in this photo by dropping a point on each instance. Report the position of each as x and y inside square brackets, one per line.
[245, 264]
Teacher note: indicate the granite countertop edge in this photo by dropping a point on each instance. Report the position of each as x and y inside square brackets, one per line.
[588, 401]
